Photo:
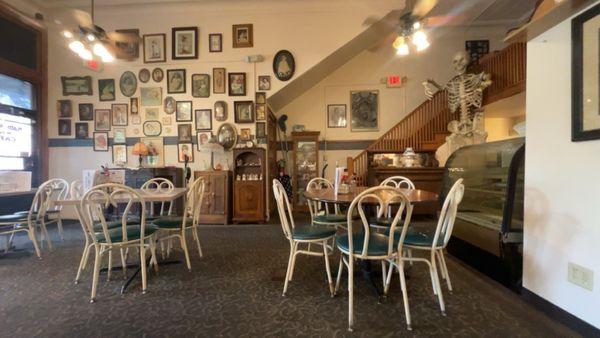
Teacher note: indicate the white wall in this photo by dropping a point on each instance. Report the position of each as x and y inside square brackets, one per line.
[562, 183]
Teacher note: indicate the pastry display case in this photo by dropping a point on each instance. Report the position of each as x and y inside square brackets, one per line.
[306, 164]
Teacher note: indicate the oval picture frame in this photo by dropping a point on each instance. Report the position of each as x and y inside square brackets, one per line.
[128, 89]
[157, 74]
[169, 105]
[152, 128]
[220, 111]
[284, 65]
[144, 75]
[227, 136]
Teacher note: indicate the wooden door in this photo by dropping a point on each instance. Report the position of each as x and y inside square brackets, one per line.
[248, 200]
[219, 188]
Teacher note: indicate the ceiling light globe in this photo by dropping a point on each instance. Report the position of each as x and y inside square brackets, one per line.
[67, 34]
[91, 37]
[76, 46]
[402, 50]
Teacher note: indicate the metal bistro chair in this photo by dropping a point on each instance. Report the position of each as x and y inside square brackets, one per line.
[320, 215]
[435, 244]
[297, 235]
[177, 226]
[370, 245]
[159, 185]
[124, 236]
[383, 221]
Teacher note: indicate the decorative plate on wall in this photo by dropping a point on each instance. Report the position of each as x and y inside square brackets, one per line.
[284, 65]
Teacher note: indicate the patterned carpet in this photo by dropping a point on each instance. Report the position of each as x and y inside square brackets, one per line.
[235, 291]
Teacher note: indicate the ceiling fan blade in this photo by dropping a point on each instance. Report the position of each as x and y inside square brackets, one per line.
[423, 7]
[82, 18]
[371, 20]
[387, 41]
[447, 20]
[124, 37]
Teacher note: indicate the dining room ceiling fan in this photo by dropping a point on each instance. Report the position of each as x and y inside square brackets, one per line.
[89, 40]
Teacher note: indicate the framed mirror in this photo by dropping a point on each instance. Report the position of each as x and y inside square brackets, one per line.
[227, 136]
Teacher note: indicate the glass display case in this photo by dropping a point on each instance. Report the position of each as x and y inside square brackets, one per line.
[490, 215]
[306, 164]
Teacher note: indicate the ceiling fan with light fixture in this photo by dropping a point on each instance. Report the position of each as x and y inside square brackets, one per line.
[91, 41]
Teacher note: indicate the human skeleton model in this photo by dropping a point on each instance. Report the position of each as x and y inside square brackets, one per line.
[465, 91]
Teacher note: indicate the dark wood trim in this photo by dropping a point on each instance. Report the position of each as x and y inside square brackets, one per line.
[560, 315]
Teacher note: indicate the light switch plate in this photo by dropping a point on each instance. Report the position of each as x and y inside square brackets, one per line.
[581, 276]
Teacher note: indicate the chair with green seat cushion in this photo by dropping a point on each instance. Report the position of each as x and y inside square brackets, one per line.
[158, 185]
[371, 245]
[301, 235]
[176, 227]
[321, 213]
[117, 235]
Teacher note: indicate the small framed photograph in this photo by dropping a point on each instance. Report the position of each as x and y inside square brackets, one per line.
[245, 134]
[128, 50]
[82, 130]
[86, 112]
[261, 98]
[119, 135]
[264, 82]
[64, 108]
[102, 120]
[119, 152]
[243, 36]
[152, 128]
[167, 121]
[203, 119]
[157, 74]
[151, 96]
[76, 85]
[261, 129]
[64, 127]
[175, 81]
[221, 111]
[219, 80]
[284, 65]
[203, 138]
[261, 112]
[106, 89]
[134, 104]
[151, 113]
[154, 48]
[184, 43]
[119, 114]
[169, 105]
[100, 141]
[237, 84]
[184, 111]
[336, 116]
[185, 150]
[156, 153]
[200, 85]
[128, 84]
[184, 133]
[215, 43]
[144, 75]
[243, 111]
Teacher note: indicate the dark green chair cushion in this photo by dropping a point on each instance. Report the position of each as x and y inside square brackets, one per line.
[381, 221]
[420, 239]
[133, 232]
[112, 225]
[308, 232]
[170, 222]
[332, 218]
[377, 246]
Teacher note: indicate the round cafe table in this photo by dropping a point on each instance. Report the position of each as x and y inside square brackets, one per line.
[327, 195]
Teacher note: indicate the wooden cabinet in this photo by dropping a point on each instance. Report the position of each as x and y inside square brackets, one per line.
[249, 192]
[216, 204]
[306, 164]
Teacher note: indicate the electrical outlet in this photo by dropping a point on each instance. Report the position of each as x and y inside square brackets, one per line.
[581, 276]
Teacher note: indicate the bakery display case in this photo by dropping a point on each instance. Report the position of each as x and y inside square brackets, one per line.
[306, 164]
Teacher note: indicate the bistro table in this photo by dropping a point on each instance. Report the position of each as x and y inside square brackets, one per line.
[148, 195]
[327, 195]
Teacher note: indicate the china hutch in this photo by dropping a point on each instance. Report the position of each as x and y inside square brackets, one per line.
[249, 192]
[305, 164]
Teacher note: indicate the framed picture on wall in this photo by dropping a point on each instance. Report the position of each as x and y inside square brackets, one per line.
[157, 74]
[169, 105]
[119, 152]
[82, 130]
[243, 36]
[184, 133]
[184, 111]
[128, 84]
[245, 134]
[134, 105]
[76, 85]
[336, 116]
[243, 111]
[64, 108]
[261, 129]
[86, 112]
[237, 84]
[185, 150]
[203, 139]
[152, 128]
[144, 75]
[215, 43]
[100, 141]
[154, 48]
[102, 119]
[219, 80]
[119, 114]
[284, 65]
[175, 81]
[119, 135]
[585, 73]
[221, 111]
[200, 85]
[364, 109]
[203, 119]
[128, 50]
[184, 43]
[106, 89]
[156, 153]
[64, 127]
[151, 96]
[261, 112]
[264, 82]
[261, 97]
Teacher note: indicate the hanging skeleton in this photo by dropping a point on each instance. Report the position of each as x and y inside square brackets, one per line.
[465, 92]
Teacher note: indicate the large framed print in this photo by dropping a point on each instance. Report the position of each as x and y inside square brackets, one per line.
[76, 85]
[585, 72]
[364, 110]
[129, 48]
[219, 80]
[154, 48]
[175, 81]
[184, 43]
[200, 85]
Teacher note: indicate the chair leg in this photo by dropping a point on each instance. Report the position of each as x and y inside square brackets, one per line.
[143, 263]
[289, 267]
[46, 236]
[123, 262]
[296, 244]
[82, 261]
[185, 250]
[197, 238]
[328, 269]
[404, 293]
[109, 271]
[153, 252]
[61, 232]
[97, 259]
[32, 237]
[383, 275]
[445, 268]
[409, 253]
[339, 275]
[162, 249]
[9, 240]
[386, 287]
[436, 279]
[350, 294]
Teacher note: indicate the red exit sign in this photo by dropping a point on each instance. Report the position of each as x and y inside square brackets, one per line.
[94, 65]
[393, 81]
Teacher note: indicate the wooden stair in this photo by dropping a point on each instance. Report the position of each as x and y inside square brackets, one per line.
[425, 128]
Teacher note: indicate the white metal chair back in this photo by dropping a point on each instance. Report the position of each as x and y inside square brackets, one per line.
[51, 190]
[193, 202]
[76, 189]
[316, 184]
[448, 214]
[398, 182]
[159, 185]
[383, 196]
[97, 199]
[284, 209]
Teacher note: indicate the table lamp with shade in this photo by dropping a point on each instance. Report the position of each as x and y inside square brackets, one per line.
[141, 150]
